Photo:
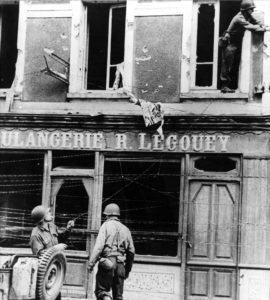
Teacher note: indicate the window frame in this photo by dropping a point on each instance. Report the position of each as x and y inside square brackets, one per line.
[196, 6]
[11, 3]
[231, 173]
[113, 5]
[25, 250]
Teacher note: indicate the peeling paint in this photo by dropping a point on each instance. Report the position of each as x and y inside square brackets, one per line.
[266, 50]
[63, 36]
[76, 30]
[130, 25]
[143, 58]
[145, 49]
[186, 58]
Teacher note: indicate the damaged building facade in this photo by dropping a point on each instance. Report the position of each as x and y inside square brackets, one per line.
[195, 197]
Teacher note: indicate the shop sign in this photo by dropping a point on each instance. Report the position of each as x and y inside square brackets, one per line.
[83, 140]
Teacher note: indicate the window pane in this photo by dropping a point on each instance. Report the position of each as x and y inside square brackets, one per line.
[8, 43]
[148, 195]
[118, 35]
[215, 164]
[21, 178]
[71, 159]
[204, 75]
[98, 16]
[205, 35]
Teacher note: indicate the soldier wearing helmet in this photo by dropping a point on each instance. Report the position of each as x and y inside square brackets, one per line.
[46, 234]
[115, 252]
[232, 44]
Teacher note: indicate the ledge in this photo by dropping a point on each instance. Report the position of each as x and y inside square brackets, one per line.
[213, 95]
[110, 95]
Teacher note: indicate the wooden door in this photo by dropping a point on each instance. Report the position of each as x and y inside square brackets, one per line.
[212, 240]
[71, 198]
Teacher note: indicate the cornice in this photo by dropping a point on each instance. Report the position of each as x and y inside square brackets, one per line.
[99, 122]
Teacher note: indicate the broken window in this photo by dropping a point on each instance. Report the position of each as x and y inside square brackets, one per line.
[106, 36]
[73, 159]
[21, 179]
[8, 43]
[215, 164]
[212, 17]
[71, 203]
[148, 195]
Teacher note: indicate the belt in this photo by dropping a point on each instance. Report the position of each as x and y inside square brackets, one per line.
[114, 253]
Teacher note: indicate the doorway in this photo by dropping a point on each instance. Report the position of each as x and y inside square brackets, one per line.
[71, 199]
[212, 232]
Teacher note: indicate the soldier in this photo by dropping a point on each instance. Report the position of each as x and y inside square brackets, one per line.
[231, 43]
[46, 234]
[115, 251]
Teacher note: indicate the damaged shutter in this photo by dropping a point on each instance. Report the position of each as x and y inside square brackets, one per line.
[157, 52]
[47, 52]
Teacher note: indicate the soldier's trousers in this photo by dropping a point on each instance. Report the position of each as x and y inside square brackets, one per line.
[110, 279]
[231, 57]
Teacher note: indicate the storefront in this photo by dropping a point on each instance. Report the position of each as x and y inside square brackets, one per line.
[196, 202]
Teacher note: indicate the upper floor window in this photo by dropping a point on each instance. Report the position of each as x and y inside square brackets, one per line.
[106, 36]
[211, 18]
[8, 43]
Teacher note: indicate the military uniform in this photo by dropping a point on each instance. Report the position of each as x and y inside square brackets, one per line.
[231, 54]
[46, 235]
[114, 242]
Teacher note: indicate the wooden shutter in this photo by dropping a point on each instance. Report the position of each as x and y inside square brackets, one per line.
[157, 52]
[46, 29]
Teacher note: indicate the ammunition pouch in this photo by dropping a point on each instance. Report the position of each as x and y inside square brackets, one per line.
[107, 263]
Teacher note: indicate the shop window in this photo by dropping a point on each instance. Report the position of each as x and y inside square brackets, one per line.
[8, 43]
[212, 17]
[148, 195]
[215, 164]
[72, 159]
[106, 36]
[21, 179]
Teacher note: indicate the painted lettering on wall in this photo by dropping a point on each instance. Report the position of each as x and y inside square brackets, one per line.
[185, 143]
[84, 140]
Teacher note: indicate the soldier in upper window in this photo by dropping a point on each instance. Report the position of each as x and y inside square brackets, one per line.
[231, 44]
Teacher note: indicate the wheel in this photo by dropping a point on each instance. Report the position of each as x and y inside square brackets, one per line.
[51, 273]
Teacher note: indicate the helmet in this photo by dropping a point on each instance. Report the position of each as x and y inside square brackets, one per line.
[38, 213]
[112, 210]
[247, 4]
